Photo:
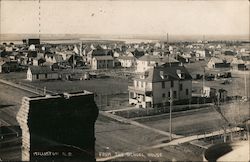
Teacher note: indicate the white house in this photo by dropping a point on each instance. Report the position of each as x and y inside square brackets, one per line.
[200, 54]
[148, 61]
[102, 62]
[152, 88]
[127, 61]
[41, 73]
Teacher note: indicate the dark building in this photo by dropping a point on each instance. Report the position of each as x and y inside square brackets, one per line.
[59, 127]
[33, 41]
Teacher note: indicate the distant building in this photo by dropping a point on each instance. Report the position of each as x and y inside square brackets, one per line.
[215, 62]
[127, 61]
[102, 62]
[99, 51]
[41, 73]
[38, 61]
[148, 61]
[58, 127]
[152, 88]
[33, 41]
[53, 58]
[238, 64]
[200, 54]
[8, 66]
[4, 67]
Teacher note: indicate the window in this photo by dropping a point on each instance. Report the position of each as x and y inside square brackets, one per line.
[175, 94]
[163, 84]
[37, 76]
[169, 94]
[142, 84]
[46, 76]
[172, 83]
[163, 95]
[187, 92]
[181, 87]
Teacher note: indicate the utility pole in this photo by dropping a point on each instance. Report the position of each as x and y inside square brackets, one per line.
[245, 79]
[170, 114]
[203, 86]
[73, 62]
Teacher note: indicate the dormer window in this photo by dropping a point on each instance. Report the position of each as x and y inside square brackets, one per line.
[180, 74]
[162, 74]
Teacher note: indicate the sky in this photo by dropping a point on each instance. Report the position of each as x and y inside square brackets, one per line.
[126, 17]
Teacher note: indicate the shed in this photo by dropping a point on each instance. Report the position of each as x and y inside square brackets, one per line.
[41, 73]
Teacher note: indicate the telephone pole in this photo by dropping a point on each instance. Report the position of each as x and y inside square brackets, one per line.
[170, 114]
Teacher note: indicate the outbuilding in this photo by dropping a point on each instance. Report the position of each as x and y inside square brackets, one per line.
[41, 73]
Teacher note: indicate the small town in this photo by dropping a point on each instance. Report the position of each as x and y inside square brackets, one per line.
[75, 98]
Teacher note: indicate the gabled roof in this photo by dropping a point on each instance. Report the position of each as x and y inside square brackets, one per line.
[216, 60]
[2, 63]
[103, 57]
[237, 61]
[125, 57]
[157, 59]
[245, 58]
[101, 52]
[58, 58]
[160, 73]
[40, 70]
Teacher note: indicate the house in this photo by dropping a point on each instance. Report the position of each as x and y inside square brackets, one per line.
[8, 66]
[184, 58]
[229, 53]
[246, 58]
[147, 61]
[102, 62]
[41, 73]
[152, 88]
[53, 58]
[99, 51]
[75, 60]
[199, 55]
[33, 41]
[38, 61]
[238, 64]
[215, 62]
[137, 53]
[4, 67]
[127, 61]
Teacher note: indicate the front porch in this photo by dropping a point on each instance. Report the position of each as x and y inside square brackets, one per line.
[140, 100]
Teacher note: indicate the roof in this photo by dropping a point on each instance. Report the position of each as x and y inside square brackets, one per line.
[40, 70]
[157, 58]
[216, 60]
[58, 58]
[160, 73]
[245, 58]
[103, 57]
[101, 52]
[237, 61]
[2, 63]
[126, 57]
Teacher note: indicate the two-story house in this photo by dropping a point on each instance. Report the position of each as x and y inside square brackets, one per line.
[152, 88]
